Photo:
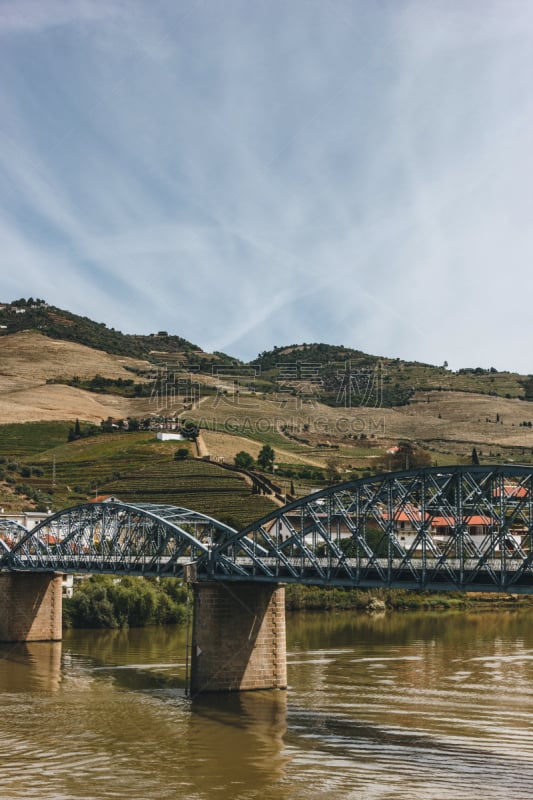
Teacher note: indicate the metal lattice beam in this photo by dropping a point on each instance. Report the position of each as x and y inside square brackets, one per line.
[448, 528]
[462, 528]
[11, 533]
[139, 539]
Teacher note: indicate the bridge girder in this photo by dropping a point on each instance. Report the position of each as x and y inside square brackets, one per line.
[114, 537]
[11, 533]
[448, 528]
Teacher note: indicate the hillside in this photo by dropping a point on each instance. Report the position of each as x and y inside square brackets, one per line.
[29, 359]
[341, 376]
[329, 412]
[30, 363]
[56, 323]
[40, 469]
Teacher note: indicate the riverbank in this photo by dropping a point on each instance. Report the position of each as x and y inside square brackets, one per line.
[105, 602]
[321, 598]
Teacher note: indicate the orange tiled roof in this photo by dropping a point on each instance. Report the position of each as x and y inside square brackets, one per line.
[512, 491]
[475, 519]
[100, 498]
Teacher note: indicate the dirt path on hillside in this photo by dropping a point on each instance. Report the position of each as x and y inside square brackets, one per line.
[202, 451]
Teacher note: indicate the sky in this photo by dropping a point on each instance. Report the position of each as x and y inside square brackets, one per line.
[257, 173]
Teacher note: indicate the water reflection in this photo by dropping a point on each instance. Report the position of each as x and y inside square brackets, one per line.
[425, 706]
[433, 705]
[245, 729]
[125, 646]
[33, 666]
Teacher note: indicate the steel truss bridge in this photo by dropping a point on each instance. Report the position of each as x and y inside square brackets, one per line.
[460, 528]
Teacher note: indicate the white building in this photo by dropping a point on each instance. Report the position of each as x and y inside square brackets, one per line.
[28, 519]
[170, 437]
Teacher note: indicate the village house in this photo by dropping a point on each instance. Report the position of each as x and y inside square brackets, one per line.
[407, 523]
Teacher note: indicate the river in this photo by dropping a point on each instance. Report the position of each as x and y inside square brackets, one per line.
[414, 705]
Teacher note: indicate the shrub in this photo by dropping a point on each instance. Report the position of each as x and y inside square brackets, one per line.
[244, 460]
[107, 602]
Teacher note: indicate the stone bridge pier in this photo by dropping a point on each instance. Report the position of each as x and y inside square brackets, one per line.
[238, 637]
[30, 607]
[238, 631]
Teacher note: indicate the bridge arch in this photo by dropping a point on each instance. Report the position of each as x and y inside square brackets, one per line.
[11, 533]
[447, 528]
[114, 537]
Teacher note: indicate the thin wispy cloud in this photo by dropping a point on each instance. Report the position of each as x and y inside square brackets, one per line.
[247, 175]
[34, 16]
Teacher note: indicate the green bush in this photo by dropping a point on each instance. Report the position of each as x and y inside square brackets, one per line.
[244, 460]
[109, 602]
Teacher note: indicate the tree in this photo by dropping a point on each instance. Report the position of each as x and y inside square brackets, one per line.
[244, 460]
[266, 456]
[407, 456]
[190, 429]
[475, 457]
[181, 453]
[332, 470]
[75, 432]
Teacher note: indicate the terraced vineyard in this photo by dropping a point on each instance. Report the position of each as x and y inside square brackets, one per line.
[133, 466]
[193, 484]
[23, 441]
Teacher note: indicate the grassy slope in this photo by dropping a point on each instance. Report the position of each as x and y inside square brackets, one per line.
[449, 424]
[395, 380]
[133, 466]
